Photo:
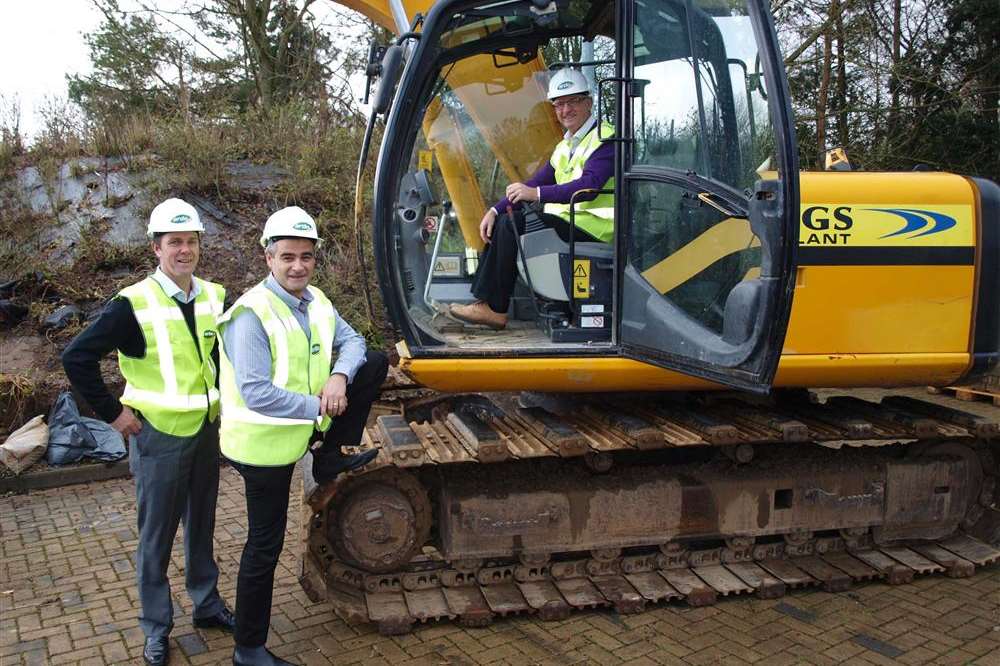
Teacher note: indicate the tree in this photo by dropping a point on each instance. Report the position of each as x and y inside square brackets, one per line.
[897, 82]
[136, 66]
[205, 57]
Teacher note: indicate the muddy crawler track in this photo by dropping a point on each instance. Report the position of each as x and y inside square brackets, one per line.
[410, 580]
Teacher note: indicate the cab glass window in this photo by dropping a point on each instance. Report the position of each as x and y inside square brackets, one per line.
[701, 104]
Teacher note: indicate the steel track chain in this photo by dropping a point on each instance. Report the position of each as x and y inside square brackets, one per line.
[430, 589]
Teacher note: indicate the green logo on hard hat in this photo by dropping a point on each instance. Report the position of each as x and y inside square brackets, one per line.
[564, 85]
[302, 226]
[180, 219]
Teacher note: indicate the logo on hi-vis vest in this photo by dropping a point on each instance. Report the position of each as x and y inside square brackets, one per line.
[890, 226]
[302, 226]
[208, 334]
[180, 219]
[315, 348]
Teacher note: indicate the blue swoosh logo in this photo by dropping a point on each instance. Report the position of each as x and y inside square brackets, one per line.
[917, 219]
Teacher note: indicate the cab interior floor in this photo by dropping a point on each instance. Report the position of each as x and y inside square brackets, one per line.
[519, 334]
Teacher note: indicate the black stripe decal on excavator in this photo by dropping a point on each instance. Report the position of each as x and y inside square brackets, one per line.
[886, 256]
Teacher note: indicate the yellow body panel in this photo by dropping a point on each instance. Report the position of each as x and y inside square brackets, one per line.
[880, 310]
[581, 375]
[861, 200]
[883, 309]
[851, 325]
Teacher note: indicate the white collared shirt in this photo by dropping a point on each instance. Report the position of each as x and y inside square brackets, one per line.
[173, 291]
[575, 138]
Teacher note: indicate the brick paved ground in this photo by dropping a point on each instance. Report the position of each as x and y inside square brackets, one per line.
[67, 595]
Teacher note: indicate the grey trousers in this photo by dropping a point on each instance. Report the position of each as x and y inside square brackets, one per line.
[176, 478]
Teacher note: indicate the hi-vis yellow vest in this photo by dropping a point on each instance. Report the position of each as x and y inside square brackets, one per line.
[173, 385]
[596, 217]
[298, 364]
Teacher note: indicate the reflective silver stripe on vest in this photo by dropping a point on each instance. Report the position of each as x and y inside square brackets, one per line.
[163, 348]
[232, 413]
[170, 400]
[605, 213]
[323, 324]
[148, 314]
[276, 330]
[215, 306]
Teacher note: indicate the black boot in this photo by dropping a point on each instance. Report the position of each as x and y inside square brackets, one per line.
[327, 465]
[156, 651]
[256, 656]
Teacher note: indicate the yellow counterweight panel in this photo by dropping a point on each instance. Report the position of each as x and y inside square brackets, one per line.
[881, 310]
[445, 139]
[892, 309]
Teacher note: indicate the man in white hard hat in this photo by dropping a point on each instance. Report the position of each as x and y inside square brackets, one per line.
[164, 329]
[282, 390]
[581, 161]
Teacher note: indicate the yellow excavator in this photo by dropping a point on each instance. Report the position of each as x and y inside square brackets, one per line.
[590, 454]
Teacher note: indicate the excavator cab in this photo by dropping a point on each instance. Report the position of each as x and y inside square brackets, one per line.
[699, 275]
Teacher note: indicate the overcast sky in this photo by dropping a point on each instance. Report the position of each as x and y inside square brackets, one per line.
[41, 42]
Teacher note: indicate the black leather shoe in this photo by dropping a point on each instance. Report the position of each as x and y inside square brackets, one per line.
[156, 652]
[257, 656]
[327, 466]
[224, 620]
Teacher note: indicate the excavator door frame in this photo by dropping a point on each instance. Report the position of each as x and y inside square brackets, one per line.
[706, 240]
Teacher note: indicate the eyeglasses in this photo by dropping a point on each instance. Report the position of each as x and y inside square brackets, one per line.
[568, 101]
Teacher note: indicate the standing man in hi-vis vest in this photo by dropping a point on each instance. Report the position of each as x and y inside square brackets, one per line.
[581, 161]
[281, 391]
[165, 331]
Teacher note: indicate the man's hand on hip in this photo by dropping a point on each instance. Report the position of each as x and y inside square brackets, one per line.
[333, 397]
[518, 192]
[127, 423]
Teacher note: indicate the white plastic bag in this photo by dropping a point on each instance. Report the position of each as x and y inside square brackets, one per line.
[25, 446]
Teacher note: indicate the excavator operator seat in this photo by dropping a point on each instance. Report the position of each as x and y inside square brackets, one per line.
[547, 257]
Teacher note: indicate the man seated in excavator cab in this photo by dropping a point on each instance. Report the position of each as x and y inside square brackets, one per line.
[582, 164]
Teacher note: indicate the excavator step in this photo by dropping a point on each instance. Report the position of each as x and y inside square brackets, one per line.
[494, 429]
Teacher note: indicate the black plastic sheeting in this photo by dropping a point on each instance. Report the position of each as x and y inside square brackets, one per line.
[73, 437]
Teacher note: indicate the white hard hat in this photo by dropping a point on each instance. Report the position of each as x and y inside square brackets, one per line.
[174, 215]
[290, 222]
[568, 81]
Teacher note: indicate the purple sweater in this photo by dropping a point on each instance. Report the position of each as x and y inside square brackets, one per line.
[598, 168]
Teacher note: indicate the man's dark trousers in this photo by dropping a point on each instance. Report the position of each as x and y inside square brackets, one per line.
[497, 271]
[267, 516]
[346, 429]
[267, 491]
[176, 478]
